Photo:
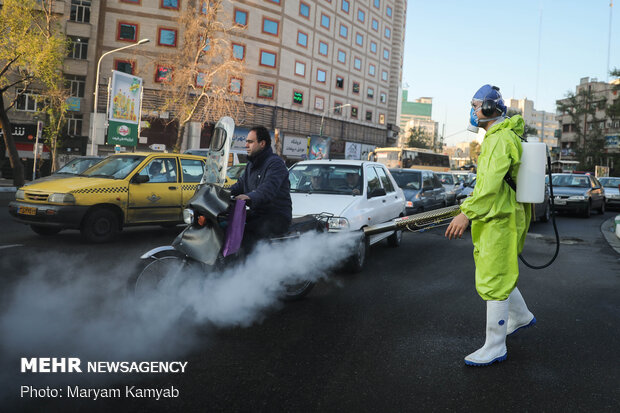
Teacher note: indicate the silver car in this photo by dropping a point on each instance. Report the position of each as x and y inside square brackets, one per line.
[612, 190]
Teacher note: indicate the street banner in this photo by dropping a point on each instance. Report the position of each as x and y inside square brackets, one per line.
[295, 147]
[124, 109]
[353, 150]
[319, 148]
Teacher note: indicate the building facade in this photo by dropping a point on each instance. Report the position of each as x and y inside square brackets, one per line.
[416, 114]
[334, 65]
[545, 123]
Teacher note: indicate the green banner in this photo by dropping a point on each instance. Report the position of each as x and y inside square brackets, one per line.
[122, 133]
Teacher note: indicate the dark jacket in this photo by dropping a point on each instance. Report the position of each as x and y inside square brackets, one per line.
[265, 181]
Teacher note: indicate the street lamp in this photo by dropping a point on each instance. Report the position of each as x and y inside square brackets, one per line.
[326, 111]
[92, 136]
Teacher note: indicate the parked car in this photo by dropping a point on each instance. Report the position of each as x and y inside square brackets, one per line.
[121, 190]
[464, 177]
[579, 193]
[612, 190]
[357, 193]
[74, 167]
[422, 188]
[452, 186]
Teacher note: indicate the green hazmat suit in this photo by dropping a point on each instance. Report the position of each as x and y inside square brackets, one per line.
[498, 222]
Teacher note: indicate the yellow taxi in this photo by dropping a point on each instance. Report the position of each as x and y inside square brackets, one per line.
[121, 190]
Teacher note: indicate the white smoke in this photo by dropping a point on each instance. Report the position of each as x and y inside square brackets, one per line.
[61, 309]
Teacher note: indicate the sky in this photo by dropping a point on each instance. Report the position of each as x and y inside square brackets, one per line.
[452, 47]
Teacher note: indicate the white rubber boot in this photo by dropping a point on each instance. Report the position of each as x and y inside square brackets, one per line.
[494, 348]
[518, 314]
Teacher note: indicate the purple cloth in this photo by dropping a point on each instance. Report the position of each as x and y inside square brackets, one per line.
[234, 231]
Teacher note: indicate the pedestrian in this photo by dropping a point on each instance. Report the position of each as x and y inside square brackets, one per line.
[498, 224]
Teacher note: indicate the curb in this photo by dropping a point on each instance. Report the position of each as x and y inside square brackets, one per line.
[607, 228]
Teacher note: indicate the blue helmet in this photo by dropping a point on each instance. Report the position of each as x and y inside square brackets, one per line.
[492, 102]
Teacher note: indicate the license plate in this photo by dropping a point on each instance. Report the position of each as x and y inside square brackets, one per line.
[27, 210]
[560, 202]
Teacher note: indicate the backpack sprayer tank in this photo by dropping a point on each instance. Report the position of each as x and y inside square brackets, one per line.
[531, 177]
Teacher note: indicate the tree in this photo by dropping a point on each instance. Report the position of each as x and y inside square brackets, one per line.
[31, 54]
[198, 87]
[474, 151]
[419, 138]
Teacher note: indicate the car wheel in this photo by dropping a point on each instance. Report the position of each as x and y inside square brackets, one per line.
[588, 210]
[41, 230]
[546, 216]
[395, 239]
[602, 208]
[358, 259]
[100, 225]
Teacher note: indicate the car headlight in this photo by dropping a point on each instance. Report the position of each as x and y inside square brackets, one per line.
[188, 216]
[409, 204]
[577, 198]
[61, 199]
[19, 194]
[338, 223]
[613, 196]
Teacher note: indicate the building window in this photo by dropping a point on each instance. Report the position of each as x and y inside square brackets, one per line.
[304, 10]
[377, 4]
[163, 74]
[356, 87]
[241, 17]
[238, 51]
[80, 11]
[74, 124]
[302, 39]
[268, 59]
[265, 90]
[386, 54]
[388, 11]
[321, 75]
[344, 31]
[384, 75]
[30, 102]
[125, 66]
[271, 27]
[361, 15]
[337, 108]
[323, 48]
[127, 32]
[354, 112]
[298, 97]
[325, 21]
[201, 79]
[319, 102]
[167, 37]
[76, 85]
[340, 82]
[275, 1]
[359, 39]
[382, 119]
[170, 4]
[382, 97]
[388, 32]
[300, 69]
[342, 56]
[371, 70]
[78, 48]
[370, 92]
[236, 85]
[375, 25]
[357, 63]
[373, 47]
[344, 6]
[369, 115]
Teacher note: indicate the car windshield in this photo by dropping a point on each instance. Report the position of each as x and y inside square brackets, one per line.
[610, 182]
[576, 181]
[235, 171]
[446, 179]
[77, 166]
[408, 180]
[326, 179]
[114, 167]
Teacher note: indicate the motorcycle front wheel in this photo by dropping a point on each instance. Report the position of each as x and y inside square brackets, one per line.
[156, 274]
[297, 291]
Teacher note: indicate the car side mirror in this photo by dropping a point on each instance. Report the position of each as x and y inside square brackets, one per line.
[377, 192]
[139, 179]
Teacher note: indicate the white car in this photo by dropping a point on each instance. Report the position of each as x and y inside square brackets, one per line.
[357, 193]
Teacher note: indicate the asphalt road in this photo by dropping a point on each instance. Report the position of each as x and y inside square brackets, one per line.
[391, 338]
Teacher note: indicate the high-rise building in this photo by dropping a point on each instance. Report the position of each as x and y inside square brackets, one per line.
[416, 114]
[545, 123]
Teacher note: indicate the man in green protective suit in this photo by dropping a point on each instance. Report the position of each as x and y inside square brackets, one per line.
[498, 224]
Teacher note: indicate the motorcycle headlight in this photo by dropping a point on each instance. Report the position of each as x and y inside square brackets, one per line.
[188, 216]
[19, 194]
[577, 198]
[338, 223]
[61, 199]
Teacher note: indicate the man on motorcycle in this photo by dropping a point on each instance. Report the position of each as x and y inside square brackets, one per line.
[265, 187]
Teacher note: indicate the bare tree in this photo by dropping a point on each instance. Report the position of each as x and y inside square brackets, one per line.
[198, 87]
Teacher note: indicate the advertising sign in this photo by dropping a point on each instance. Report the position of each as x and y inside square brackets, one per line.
[612, 142]
[319, 148]
[124, 109]
[353, 150]
[295, 147]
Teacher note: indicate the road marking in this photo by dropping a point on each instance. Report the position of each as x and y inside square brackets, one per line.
[10, 246]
